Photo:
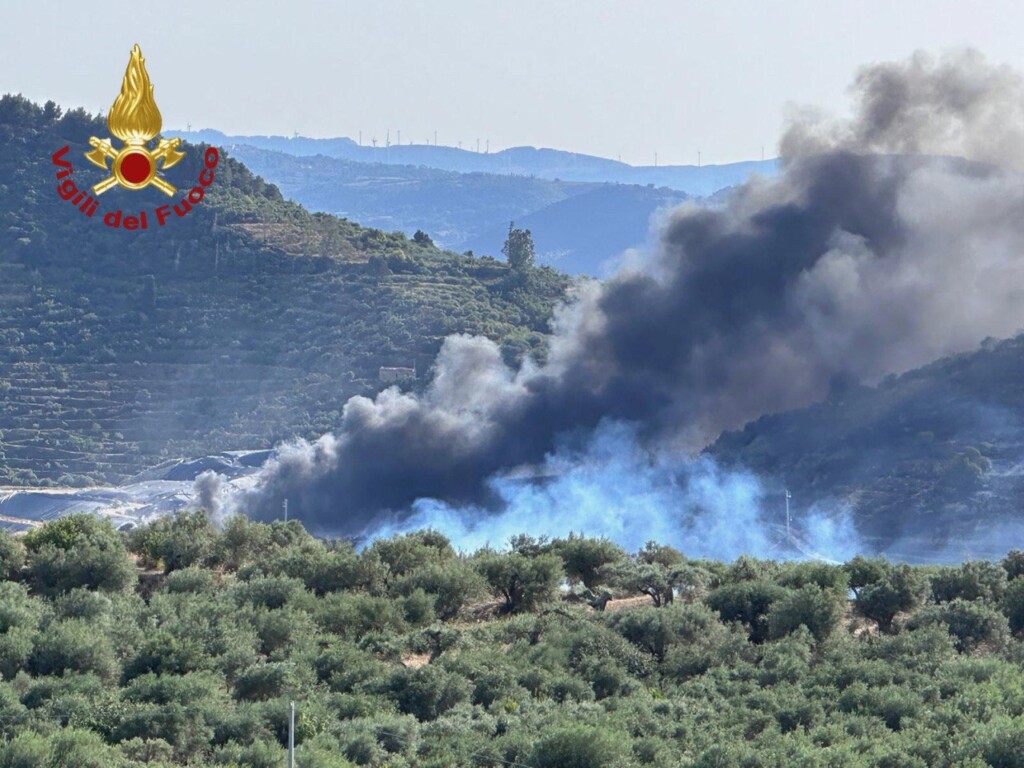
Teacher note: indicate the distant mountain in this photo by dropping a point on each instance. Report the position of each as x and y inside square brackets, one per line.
[577, 226]
[584, 232]
[925, 460]
[519, 161]
[247, 322]
[451, 207]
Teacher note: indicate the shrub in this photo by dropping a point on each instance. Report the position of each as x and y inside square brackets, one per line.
[78, 551]
[18, 608]
[147, 751]
[817, 609]
[73, 645]
[332, 570]
[748, 602]
[901, 589]
[13, 713]
[746, 568]
[64, 748]
[179, 541]
[418, 607]
[656, 630]
[971, 623]
[241, 541]
[272, 592]
[67, 532]
[862, 572]
[1013, 564]
[82, 604]
[583, 558]
[264, 681]
[163, 652]
[16, 645]
[189, 580]
[523, 582]
[1013, 605]
[405, 554]
[353, 615]
[979, 580]
[343, 667]
[255, 755]
[451, 584]
[26, 750]
[12, 556]
[581, 747]
[429, 691]
[190, 688]
[796, 575]
[634, 575]
[1001, 743]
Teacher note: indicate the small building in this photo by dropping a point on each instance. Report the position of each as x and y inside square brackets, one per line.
[391, 375]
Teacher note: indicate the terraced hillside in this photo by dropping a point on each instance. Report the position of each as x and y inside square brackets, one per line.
[247, 322]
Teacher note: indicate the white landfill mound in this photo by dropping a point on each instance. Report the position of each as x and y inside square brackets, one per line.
[160, 490]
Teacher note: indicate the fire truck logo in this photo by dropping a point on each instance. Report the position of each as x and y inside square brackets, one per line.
[135, 120]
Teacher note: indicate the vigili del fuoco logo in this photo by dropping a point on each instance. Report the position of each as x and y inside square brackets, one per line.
[135, 120]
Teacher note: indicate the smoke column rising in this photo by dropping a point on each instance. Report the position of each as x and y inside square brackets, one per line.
[889, 240]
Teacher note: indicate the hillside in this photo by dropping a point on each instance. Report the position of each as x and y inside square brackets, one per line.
[449, 206]
[519, 161]
[924, 459]
[247, 322]
[577, 226]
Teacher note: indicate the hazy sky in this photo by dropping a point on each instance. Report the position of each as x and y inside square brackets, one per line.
[618, 79]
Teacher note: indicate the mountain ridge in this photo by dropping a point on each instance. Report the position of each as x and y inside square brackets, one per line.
[543, 163]
[472, 210]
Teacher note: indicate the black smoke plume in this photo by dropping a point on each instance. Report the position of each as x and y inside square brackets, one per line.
[889, 240]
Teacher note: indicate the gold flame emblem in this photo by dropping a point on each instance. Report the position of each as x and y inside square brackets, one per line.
[135, 120]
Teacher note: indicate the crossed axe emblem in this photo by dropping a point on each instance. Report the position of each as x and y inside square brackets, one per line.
[134, 166]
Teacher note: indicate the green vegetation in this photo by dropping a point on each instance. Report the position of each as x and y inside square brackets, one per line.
[247, 322]
[181, 643]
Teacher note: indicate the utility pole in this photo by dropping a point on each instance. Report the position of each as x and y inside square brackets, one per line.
[291, 735]
[435, 138]
[789, 534]
[698, 158]
[285, 506]
[360, 138]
